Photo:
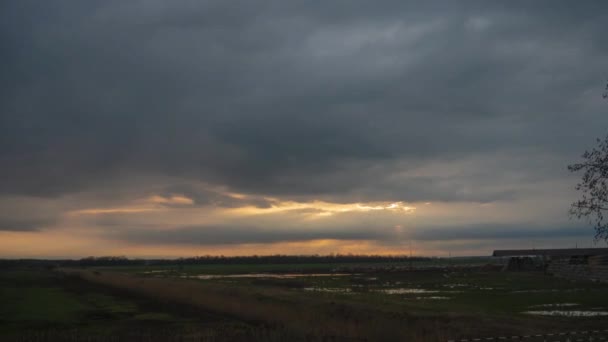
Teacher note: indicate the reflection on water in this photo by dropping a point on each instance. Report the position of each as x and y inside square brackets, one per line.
[265, 275]
[433, 298]
[406, 291]
[328, 289]
[548, 290]
[390, 291]
[568, 313]
[554, 305]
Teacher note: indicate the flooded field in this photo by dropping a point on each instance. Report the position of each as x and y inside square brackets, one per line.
[433, 290]
[375, 299]
[329, 289]
[406, 291]
[568, 313]
[264, 275]
[554, 305]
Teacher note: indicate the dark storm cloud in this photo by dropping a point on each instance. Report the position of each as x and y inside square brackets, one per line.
[294, 98]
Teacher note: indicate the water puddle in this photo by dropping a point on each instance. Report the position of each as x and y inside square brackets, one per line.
[433, 298]
[554, 305]
[328, 289]
[406, 291]
[265, 275]
[547, 290]
[568, 313]
[535, 291]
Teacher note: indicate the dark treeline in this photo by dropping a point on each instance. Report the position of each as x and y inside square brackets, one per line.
[210, 260]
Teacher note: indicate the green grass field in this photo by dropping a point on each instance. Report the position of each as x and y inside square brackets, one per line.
[41, 305]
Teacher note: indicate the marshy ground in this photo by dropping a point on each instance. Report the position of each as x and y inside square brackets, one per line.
[307, 302]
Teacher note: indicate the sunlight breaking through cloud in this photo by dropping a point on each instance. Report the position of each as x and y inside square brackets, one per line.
[175, 200]
[321, 208]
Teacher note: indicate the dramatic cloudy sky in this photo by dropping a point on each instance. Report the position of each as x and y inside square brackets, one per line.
[176, 128]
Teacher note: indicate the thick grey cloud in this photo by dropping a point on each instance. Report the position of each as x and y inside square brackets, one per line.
[293, 99]
[104, 103]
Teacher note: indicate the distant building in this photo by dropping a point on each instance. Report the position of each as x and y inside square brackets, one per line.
[573, 263]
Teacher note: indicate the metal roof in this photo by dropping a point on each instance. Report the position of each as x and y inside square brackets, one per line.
[550, 252]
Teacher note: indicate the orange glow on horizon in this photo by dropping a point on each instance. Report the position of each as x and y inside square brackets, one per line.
[112, 211]
[71, 244]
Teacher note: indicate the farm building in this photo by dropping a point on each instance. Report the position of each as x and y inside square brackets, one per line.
[573, 263]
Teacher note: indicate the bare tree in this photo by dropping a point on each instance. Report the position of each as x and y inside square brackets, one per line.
[593, 203]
